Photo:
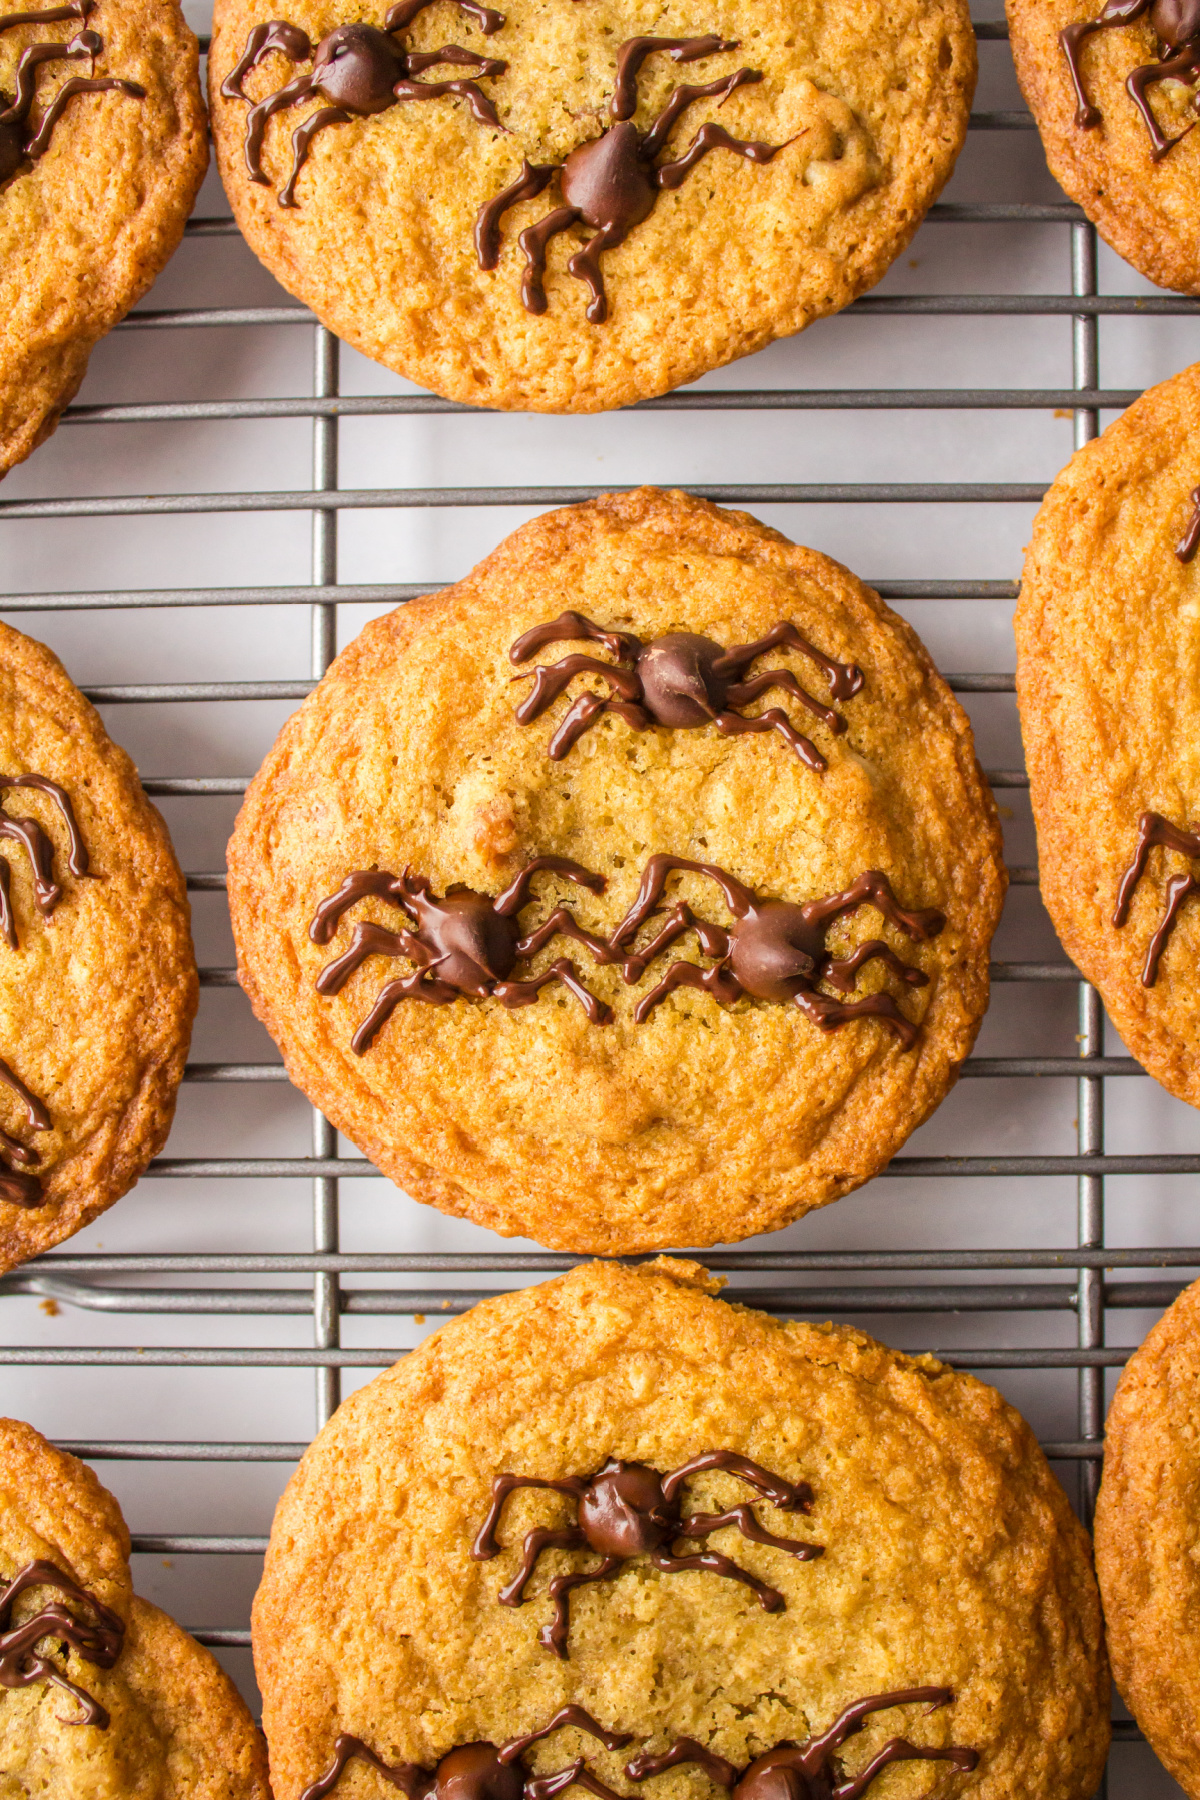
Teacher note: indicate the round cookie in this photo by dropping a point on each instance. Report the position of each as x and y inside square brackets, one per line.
[847, 123]
[96, 183]
[112, 1697]
[1127, 157]
[1146, 1537]
[1108, 685]
[949, 1557]
[98, 984]
[691, 1117]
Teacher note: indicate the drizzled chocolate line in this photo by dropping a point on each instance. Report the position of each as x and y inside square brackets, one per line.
[775, 950]
[479, 1771]
[1176, 24]
[680, 680]
[18, 144]
[39, 848]
[611, 184]
[16, 1186]
[360, 70]
[464, 944]
[812, 1770]
[627, 1509]
[1154, 829]
[99, 1643]
[1189, 543]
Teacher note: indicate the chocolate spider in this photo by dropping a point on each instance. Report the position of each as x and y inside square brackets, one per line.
[1154, 829]
[464, 944]
[611, 183]
[627, 1509]
[17, 1186]
[807, 1771]
[1176, 24]
[39, 848]
[480, 1771]
[775, 950]
[100, 1643]
[18, 145]
[680, 680]
[360, 70]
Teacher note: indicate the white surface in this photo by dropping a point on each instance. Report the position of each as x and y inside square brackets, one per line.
[671, 449]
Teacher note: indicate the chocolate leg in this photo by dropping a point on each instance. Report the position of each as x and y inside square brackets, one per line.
[720, 982]
[485, 1546]
[516, 894]
[1180, 68]
[873, 888]
[405, 1776]
[579, 717]
[788, 1496]
[534, 241]
[900, 1750]
[1071, 38]
[420, 60]
[523, 993]
[737, 898]
[302, 139]
[481, 107]
[731, 724]
[550, 679]
[407, 987]
[554, 1635]
[400, 16]
[700, 1524]
[562, 923]
[680, 920]
[681, 99]
[817, 1750]
[845, 679]
[683, 1750]
[830, 1015]
[569, 627]
[576, 1774]
[1178, 889]
[274, 34]
[569, 1715]
[369, 940]
[260, 116]
[712, 137]
[715, 1564]
[569, 1537]
[528, 185]
[8, 929]
[585, 267]
[40, 851]
[740, 692]
[840, 971]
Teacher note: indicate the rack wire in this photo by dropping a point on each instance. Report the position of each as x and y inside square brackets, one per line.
[322, 1281]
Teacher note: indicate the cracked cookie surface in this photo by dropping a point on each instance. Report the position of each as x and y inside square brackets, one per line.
[950, 1554]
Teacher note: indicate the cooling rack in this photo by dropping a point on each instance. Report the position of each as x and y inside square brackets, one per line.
[1087, 1282]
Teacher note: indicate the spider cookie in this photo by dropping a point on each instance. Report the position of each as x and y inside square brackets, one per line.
[662, 939]
[1145, 1537]
[1108, 684]
[98, 982]
[613, 1533]
[568, 205]
[100, 1693]
[1112, 85]
[102, 151]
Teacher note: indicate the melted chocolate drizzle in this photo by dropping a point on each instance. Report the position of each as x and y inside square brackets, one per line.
[1154, 829]
[1189, 543]
[681, 680]
[611, 184]
[812, 1770]
[39, 848]
[627, 1509]
[17, 1186]
[1176, 24]
[360, 71]
[479, 1771]
[464, 944]
[99, 1642]
[19, 144]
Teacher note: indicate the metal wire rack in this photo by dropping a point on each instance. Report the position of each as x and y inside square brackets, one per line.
[322, 1281]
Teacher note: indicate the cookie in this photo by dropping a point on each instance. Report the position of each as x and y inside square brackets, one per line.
[1146, 1537]
[103, 147]
[693, 921]
[1108, 685]
[952, 1589]
[100, 1693]
[1111, 86]
[98, 984]
[521, 222]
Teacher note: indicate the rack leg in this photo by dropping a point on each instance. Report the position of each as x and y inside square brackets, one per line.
[327, 1318]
